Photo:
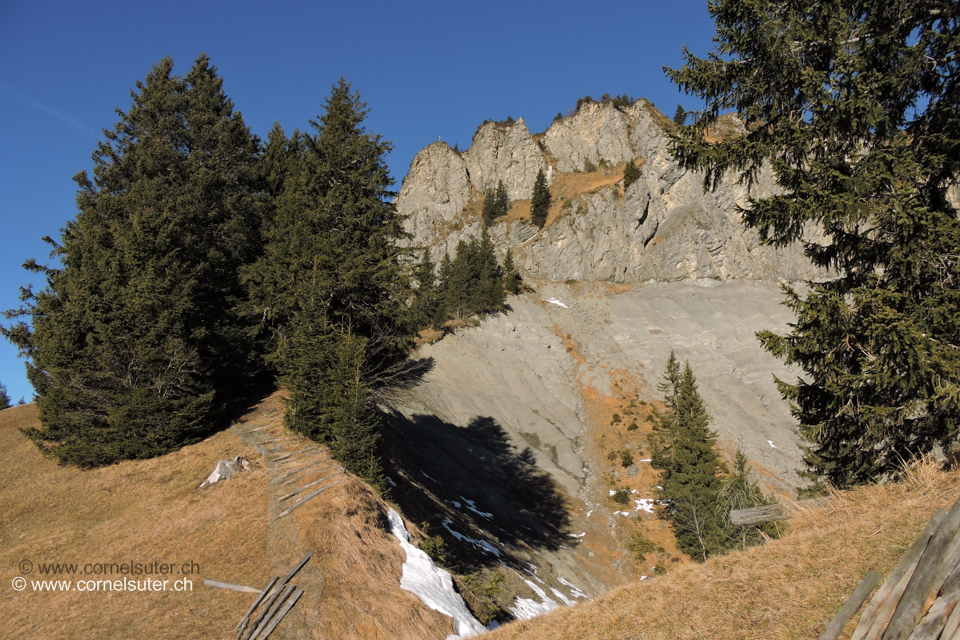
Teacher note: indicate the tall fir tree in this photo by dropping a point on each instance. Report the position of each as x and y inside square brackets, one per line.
[424, 306]
[333, 282]
[540, 202]
[496, 204]
[680, 117]
[854, 106]
[137, 339]
[511, 276]
[631, 173]
[4, 397]
[684, 453]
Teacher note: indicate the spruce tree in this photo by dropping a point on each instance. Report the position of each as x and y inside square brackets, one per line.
[137, 338]
[631, 173]
[333, 282]
[503, 200]
[4, 397]
[684, 453]
[854, 106]
[489, 212]
[496, 204]
[540, 202]
[511, 278]
[680, 117]
[444, 272]
[424, 306]
[739, 492]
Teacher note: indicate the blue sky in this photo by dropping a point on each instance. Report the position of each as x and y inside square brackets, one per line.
[425, 69]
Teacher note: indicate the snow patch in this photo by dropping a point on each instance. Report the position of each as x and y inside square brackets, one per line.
[644, 504]
[473, 507]
[770, 442]
[567, 601]
[527, 609]
[431, 584]
[574, 590]
[558, 303]
[483, 545]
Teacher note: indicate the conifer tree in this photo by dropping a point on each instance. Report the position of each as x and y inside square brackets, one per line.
[444, 272]
[4, 397]
[631, 173]
[683, 451]
[503, 200]
[540, 202]
[424, 305]
[739, 492]
[511, 280]
[854, 106]
[137, 338]
[680, 117]
[333, 282]
[496, 204]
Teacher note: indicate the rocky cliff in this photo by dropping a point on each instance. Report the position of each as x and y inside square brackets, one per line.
[662, 227]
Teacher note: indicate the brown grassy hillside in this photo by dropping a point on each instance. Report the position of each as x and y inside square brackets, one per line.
[134, 511]
[142, 511]
[790, 588]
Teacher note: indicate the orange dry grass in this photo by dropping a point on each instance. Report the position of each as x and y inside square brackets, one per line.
[790, 588]
[134, 511]
[360, 563]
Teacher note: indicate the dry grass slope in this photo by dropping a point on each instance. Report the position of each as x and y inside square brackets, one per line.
[149, 510]
[134, 511]
[790, 588]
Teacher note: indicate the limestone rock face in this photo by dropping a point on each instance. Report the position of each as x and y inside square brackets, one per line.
[597, 132]
[663, 227]
[504, 152]
[436, 189]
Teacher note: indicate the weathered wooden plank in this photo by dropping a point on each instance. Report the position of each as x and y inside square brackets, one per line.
[851, 606]
[935, 620]
[280, 614]
[907, 563]
[756, 515]
[245, 620]
[233, 587]
[274, 594]
[952, 628]
[289, 455]
[886, 612]
[297, 567]
[914, 599]
[273, 610]
[307, 486]
[307, 498]
[296, 474]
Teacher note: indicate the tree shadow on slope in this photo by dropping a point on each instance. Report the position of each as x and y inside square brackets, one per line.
[438, 466]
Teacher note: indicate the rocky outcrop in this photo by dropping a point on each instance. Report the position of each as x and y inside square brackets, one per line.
[435, 191]
[504, 152]
[663, 227]
[595, 133]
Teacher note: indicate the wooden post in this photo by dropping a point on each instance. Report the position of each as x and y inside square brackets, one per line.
[756, 515]
[242, 625]
[233, 587]
[911, 606]
[907, 563]
[279, 617]
[312, 495]
[852, 605]
[273, 610]
[306, 486]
